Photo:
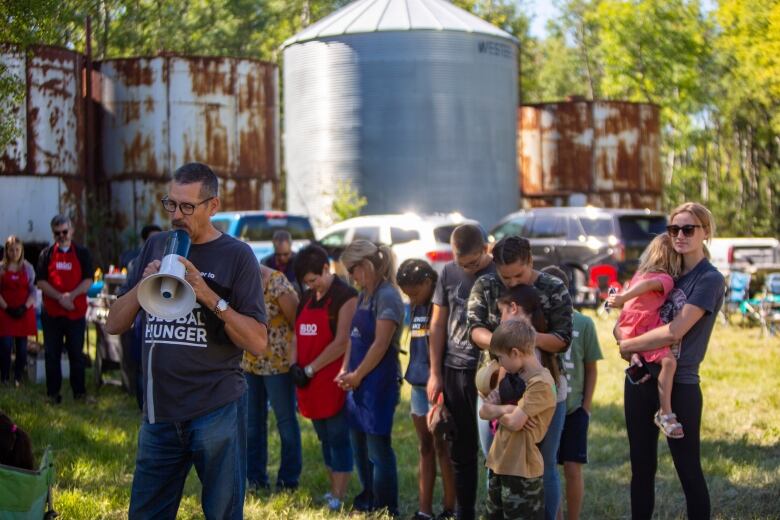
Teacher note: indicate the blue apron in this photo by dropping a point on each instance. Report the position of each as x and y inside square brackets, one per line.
[370, 407]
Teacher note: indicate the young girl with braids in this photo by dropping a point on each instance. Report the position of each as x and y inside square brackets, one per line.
[417, 279]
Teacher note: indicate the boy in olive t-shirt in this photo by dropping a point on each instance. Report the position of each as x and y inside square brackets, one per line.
[515, 488]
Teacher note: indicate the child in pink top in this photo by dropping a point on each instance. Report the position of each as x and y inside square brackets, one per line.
[641, 303]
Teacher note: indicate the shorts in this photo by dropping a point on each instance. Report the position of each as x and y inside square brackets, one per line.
[419, 401]
[574, 438]
[335, 441]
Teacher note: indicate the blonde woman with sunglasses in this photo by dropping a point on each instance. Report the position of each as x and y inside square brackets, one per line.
[698, 295]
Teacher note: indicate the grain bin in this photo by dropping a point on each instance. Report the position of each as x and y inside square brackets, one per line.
[160, 112]
[42, 168]
[413, 102]
[604, 153]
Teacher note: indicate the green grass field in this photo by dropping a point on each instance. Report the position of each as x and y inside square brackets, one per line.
[94, 445]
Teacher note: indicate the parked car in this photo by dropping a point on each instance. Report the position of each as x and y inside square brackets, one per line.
[409, 235]
[578, 238]
[742, 254]
[256, 228]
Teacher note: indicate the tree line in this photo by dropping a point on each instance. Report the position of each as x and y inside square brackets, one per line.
[712, 67]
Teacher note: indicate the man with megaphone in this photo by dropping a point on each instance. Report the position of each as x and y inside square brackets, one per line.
[201, 299]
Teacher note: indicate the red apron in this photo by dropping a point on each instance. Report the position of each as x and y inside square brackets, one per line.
[321, 398]
[14, 287]
[65, 275]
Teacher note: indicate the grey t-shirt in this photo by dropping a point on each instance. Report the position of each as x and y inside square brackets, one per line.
[452, 291]
[703, 287]
[190, 365]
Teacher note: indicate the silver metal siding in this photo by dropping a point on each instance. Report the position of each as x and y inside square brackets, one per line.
[416, 120]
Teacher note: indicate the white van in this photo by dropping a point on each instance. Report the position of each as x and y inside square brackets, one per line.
[743, 253]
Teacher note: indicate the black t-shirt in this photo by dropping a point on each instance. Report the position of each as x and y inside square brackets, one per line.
[338, 294]
[195, 367]
[452, 291]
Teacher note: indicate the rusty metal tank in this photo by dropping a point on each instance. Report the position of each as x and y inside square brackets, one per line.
[42, 169]
[160, 112]
[603, 153]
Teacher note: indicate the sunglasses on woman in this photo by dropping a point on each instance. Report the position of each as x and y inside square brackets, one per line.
[687, 230]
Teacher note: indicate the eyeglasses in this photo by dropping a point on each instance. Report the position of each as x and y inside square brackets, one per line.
[187, 208]
[687, 230]
[60, 232]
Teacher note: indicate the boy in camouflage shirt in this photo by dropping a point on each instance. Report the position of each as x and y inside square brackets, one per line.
[515, 487]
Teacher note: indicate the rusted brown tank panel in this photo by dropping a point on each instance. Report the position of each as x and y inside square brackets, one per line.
[159, 113]
[42, 168]
[50, 118]
[607, 152]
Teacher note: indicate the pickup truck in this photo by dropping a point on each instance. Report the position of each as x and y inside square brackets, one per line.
[256, 228]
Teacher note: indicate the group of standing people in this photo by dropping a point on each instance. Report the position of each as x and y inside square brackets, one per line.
[454, 318]
[64, 275]
[303, 340]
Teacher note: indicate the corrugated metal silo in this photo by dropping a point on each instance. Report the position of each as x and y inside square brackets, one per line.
[42, 169]
[604, 153]
[412, 101]
[161, 112]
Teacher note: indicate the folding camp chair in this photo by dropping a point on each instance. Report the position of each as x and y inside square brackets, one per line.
[26, 494]
[738, 301]
[770, 306]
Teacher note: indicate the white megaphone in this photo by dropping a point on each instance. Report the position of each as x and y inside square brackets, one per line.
[166, 294]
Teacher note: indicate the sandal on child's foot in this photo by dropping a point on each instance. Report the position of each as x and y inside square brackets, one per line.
[669, 425]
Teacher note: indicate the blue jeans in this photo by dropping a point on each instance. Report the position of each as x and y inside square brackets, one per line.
[20, 365]
[280, 390]
[376, 465]
[549, 449]
[215, 443]
[333, 434]
[61, 333]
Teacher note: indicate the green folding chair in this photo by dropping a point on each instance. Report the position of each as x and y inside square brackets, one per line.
[26, 494]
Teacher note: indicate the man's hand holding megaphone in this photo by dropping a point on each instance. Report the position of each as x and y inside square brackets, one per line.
[203, 292]
[152, 267]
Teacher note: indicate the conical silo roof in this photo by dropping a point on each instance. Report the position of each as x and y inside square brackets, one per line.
[367, 16]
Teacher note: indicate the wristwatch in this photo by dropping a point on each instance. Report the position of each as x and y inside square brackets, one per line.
[309, 371]
[220, 307]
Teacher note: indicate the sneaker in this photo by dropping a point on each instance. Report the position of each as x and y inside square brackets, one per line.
[419, 515]
[334, 504]
[446, 515]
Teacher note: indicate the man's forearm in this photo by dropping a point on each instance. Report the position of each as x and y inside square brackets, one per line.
[123, 312]
[48, 290]
[245, 332]
[82, 288]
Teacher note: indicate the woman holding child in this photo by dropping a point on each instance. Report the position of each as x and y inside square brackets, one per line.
[701, 287]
